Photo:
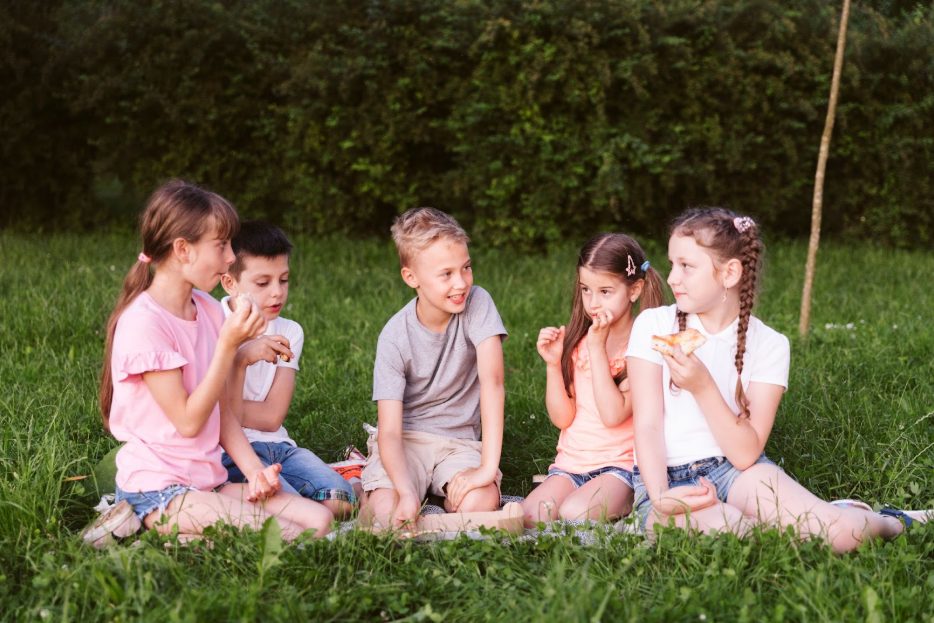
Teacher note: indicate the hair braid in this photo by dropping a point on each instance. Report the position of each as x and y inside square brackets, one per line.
[682, 325]
[751, 262]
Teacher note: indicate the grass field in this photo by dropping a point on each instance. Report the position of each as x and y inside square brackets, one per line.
[858, 420]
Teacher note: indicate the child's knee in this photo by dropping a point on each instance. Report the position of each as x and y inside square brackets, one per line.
[318, 520]
[543, 511]
[479, 500]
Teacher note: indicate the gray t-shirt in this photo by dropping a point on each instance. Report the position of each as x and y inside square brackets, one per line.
[435, 374]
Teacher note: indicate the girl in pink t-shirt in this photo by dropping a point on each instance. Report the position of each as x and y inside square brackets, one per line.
[168, 355]
[586, 392]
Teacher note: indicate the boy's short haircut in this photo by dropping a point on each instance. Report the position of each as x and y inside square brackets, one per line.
[416, 229]
[257, 239]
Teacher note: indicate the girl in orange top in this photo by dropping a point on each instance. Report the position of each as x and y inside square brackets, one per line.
[587, 394]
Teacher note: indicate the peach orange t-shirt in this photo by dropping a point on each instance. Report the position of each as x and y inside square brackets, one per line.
[587, 444]
[148, 338]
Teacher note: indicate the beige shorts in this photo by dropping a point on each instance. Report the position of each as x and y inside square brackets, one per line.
[432, 461]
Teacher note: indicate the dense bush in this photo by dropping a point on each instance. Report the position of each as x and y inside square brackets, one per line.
[531, 120]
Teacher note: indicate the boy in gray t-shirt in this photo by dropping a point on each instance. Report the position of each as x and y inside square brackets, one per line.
[437, 382]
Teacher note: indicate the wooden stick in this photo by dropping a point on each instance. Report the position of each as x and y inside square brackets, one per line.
[818, 200]
[508, 519]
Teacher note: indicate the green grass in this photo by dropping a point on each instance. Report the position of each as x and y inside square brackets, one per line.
[858, 420]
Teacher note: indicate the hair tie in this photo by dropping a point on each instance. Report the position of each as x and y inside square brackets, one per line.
[743, 223]
[645, 266]
[142, 257]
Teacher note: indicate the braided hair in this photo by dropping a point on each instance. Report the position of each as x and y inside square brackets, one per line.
[728, 235]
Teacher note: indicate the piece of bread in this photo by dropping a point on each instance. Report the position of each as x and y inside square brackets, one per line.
[689, 340]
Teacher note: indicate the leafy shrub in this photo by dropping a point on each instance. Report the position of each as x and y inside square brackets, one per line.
[531, 120]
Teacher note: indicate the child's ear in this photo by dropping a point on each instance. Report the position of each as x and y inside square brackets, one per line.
[409, 277]
[229, 284]
[731, 272]
[635, 290]
[181, 249]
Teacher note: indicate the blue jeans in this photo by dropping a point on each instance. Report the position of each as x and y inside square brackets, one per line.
[303, 473]
[717, 469]
[580, 480]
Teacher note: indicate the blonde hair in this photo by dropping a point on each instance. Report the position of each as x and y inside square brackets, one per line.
[416, 229]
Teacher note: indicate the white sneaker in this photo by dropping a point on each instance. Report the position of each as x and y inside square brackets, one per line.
[117, 522]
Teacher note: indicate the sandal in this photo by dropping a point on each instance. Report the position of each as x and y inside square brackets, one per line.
[908, 517]
[897, 514]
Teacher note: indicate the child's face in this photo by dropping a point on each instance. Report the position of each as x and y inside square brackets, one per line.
[442, 274]
[208, 259]
[694, 277]
[266, 279]
[606, 292]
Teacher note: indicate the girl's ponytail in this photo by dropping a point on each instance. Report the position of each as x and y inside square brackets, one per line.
[652, 291]
[136, 281]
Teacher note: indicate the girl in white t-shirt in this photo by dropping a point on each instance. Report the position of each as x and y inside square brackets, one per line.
[702, 420]
[587, 394]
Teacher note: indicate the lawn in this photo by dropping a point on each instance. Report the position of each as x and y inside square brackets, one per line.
[858, 420]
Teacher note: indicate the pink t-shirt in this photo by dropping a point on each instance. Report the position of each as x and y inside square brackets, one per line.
[587, 444]
[148, 338]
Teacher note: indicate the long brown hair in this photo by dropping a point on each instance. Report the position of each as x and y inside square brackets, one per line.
[177, 209]
[621, 256]
[728, 235]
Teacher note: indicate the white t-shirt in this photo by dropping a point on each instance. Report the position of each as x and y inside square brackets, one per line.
[687, 436]
[260, 375]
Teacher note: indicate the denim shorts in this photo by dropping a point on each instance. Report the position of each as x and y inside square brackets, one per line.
[303, 473]
[580, 479]
[146, 502]
[717, 469]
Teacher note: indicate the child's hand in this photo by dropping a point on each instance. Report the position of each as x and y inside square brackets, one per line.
[245, 322]
[687, 371]
[463, 483]
[550, 344]
[264, 483]
[406, 509]
[600, 328]
[264, 348]
[680, 500]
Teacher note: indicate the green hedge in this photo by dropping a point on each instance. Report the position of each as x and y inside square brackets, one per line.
[530, 120]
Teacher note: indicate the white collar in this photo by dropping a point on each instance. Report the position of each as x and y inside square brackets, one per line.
[728, 334]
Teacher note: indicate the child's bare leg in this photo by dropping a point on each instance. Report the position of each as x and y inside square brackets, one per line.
[477, 500]
[543, 502]
[379, 508]
[191, 512]
[293, 510]
[717, 518]
[605, 497]
[773, 497]
[339, 508]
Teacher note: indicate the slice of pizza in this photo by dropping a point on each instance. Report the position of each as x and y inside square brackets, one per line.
[689, 340]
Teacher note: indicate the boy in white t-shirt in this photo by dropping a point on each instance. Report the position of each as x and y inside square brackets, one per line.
[260, 393]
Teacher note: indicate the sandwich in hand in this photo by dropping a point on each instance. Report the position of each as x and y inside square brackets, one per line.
[689, 340]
